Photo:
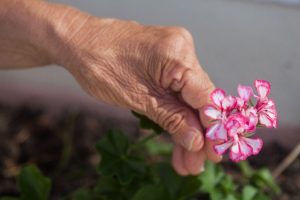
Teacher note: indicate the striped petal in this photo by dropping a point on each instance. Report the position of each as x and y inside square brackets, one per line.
[245, 92]
[235, 124]
[221, 134]
[229, 103]
[217, 97]
[265, 120]
[240, 102]
[216, 132]
[212, 112]
[220, 149]
[256, 144]
[252, 122]
[263, 88]
[245, 149]
[236, 157]
[240, 151]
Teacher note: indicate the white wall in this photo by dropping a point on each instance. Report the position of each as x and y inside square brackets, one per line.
[237, 42]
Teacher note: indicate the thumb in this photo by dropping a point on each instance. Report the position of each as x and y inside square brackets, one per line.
[195, 91]
[180, 121]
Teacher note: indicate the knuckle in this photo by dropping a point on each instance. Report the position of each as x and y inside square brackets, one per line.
[183, 32]
[206, 84]
[176, 37]
[173, 119]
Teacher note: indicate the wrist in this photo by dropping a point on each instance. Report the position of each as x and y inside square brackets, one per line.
[40, 26]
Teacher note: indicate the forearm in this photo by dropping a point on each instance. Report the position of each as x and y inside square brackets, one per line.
[34, 33]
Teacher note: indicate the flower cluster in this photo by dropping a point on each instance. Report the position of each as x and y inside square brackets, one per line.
[236, 118]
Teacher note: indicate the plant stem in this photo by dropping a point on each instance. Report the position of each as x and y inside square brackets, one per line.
[287, 161]
[251, 102]
[142, 141]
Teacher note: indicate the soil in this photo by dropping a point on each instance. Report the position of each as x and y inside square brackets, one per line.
[62, 146]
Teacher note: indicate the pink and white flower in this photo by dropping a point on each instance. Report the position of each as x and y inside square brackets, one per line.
[240, 146]
[251, 116]
[218, 111]
[266, 109]
[236, 118]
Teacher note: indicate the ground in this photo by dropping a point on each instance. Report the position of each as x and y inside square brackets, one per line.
[62, 145]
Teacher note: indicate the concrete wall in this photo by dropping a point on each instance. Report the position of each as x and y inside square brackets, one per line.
[237, 42]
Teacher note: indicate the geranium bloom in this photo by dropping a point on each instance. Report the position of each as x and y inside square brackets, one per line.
[222, 106]
[236, 119]
[266, 110]
[239, 144]
[245, 94]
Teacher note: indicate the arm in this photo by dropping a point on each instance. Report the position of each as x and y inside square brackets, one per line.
[32, 32]
[152, 70]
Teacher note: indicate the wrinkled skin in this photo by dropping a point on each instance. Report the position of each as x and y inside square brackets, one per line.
[152, 70]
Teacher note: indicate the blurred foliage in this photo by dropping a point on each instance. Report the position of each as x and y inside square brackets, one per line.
[141, 170]
[32, 185]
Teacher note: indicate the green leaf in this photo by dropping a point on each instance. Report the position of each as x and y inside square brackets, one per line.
[159, 148]
[115, 159]
[146, 123]
[249, 192]
[261, 196]
[151, 192]
[211, 177]
[246, 169]
[230, 197]
[109, 188]
[33, 185]
[216, 194]
[81, 194]
[107, 185]
[227, 184]
[264, 178]
[9, 198]
[178, 187]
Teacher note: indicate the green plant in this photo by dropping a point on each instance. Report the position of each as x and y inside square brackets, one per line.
[32, 185]
[140, 170]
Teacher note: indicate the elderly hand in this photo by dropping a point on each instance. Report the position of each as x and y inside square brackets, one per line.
[151, 70]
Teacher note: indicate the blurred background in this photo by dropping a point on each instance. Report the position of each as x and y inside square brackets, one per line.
[237, 41]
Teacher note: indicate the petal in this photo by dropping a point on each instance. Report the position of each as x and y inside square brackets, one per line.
[251, 110]
[235, 124]
[232, 127]
[270, 113]
[229, 103]
[235, 155]
[245, 92]
[212, 112]
[221, 148]
[265, 120]
[211, 131]
[263, 88]
[240, 102]
[216, 132]
[256, 144]
[270, 104]
[244, 148]
[252, 122]
[217, 96]
[221, 133]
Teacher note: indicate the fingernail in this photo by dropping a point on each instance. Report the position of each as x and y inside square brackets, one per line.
[189, 139]
[202, 169]
[198, 142]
